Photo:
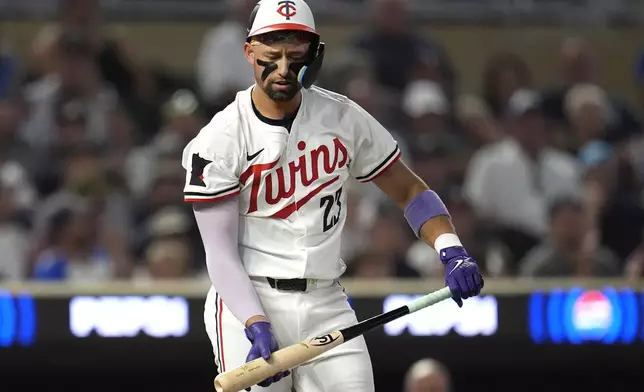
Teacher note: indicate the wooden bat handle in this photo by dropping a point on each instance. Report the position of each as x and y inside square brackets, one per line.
[287, 358]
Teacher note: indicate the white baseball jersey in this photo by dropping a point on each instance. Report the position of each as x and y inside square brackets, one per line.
[292, 206]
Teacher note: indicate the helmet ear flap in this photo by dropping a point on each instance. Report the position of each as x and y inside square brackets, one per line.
[308, 74]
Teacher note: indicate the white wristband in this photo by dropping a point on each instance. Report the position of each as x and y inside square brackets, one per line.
[446, 240]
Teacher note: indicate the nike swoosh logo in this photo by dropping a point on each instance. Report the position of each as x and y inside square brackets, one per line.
[251, 157]
[458, 263]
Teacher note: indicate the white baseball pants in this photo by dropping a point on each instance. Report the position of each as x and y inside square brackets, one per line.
[296, 316]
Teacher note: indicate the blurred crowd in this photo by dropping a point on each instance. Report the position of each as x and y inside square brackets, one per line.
[541, 181]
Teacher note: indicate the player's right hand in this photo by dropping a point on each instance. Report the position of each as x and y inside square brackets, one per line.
[462, 274]
[260, 334]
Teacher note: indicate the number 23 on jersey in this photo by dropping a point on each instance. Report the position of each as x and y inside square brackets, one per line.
[331, 214]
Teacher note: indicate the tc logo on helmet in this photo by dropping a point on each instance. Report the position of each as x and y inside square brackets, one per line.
[287, 9]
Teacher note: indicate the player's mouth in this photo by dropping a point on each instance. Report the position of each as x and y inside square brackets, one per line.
[282, 84]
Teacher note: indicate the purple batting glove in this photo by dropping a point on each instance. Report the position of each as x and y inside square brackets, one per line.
[261, 336]
[462, 275]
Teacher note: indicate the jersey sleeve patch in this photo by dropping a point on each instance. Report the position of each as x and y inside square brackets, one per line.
[206, 182]
[382, 166]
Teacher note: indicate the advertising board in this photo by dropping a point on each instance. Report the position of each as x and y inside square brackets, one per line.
[156, 331]
[578, 316]
[17, 320]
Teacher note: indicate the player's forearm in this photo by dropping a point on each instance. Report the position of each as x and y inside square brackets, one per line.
[430, 220]
[424, 210]
[218, 224]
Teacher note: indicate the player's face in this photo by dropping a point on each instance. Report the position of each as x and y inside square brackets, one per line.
[272, 67]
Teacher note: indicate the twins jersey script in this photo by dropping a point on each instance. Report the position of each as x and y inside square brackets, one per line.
[290, 182]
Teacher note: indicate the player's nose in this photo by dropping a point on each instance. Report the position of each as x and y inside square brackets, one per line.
[283, 67]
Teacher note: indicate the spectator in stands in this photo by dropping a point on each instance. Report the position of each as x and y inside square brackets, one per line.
[221, 57]
[138, 85]
[16, 180]
[12, 146]
[78, 16]
[579, 65]
[361, 213]
[427, 109]
[426, 106]
[590, 113]
[14, 238]
[639, 77]
[74, 251]
[71, 124]
[478, 123]
[16, 158]
[9, 69]
[177, 224]
[634, 268]
[362, 88]
[74, 88]
[510, 183]
[167, 259]
[84, 181]
[366, 92]
[504, 74]
[120, 152]
[379, 265]
[572, 248]
[345, 65]
[427, 375]
[115, 60]
[161, 212]
[588, 109]
[182, 120]
[433, 163]
[615, 210]
[390, 232]
[389, 239]
[165, 190]
[396, 51]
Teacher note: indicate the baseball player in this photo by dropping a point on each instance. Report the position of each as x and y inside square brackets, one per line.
[266, 179]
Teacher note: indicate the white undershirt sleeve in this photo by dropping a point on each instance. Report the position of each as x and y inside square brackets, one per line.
[219, 224]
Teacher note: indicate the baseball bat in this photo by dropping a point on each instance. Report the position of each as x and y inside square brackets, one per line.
[255, 371]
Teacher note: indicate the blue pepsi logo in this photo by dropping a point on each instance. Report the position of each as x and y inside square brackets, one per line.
[592, 315]
[578, 316]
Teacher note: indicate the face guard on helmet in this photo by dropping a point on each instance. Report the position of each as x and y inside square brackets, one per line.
[289, 15]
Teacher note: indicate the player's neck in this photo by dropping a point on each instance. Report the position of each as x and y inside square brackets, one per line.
[275, 110]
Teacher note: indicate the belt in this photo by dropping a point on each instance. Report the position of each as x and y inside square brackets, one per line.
[288, 284]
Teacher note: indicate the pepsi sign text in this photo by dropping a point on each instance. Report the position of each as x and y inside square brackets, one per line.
[479, 316]
[129, 316]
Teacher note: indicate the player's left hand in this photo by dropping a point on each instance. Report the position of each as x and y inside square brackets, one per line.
[462, 274]
[263, 343]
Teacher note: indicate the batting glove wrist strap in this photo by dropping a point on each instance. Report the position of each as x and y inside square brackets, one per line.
[455, 252]
[259, 328]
